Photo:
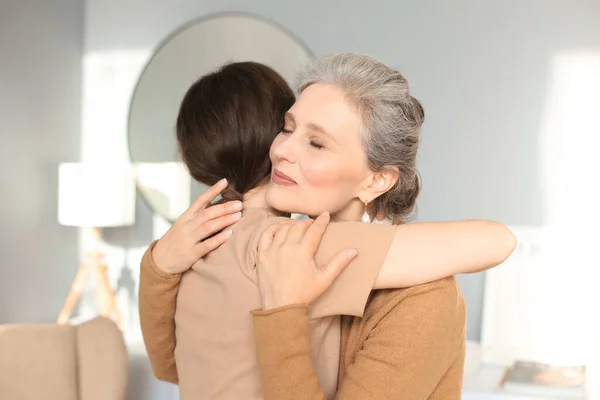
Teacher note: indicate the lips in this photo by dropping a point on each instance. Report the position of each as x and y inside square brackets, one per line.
[279, 178]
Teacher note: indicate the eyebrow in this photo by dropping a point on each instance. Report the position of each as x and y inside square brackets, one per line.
[313, 127]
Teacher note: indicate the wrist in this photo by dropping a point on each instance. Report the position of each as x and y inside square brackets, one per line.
[157, 259]
[270, 303]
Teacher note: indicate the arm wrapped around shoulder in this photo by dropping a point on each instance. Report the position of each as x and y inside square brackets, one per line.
[426, 251]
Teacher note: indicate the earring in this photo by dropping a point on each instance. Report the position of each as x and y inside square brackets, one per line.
[365, 217]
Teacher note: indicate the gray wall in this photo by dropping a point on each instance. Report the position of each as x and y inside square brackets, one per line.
[41, 45]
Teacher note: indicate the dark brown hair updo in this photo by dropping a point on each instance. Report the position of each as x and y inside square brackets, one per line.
[227, 122]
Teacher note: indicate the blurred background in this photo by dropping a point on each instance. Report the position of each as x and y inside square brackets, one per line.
[512, 97]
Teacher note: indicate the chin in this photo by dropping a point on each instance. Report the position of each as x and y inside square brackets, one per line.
[280, 200]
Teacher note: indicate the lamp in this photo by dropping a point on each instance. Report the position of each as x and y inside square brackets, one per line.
[94, 196]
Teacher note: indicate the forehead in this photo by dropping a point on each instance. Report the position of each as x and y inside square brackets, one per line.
[326, 106]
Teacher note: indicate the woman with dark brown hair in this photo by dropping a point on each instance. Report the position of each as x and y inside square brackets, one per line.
[327, 156]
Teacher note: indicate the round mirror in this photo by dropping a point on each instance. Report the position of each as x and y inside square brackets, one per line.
[192, 51]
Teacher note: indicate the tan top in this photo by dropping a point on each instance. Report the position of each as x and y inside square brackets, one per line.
[410, 344]
[215, 353]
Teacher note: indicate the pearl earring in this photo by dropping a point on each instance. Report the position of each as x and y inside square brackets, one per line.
[365, 217]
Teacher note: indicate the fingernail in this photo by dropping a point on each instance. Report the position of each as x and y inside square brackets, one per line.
[352, 253]
[228, 232]
[237, 215]
[224, 180]
[237, 205]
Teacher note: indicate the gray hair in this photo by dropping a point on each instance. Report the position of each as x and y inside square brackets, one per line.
[391, 118]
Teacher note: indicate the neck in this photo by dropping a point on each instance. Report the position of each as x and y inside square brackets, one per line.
[256, 198]
[352, 212]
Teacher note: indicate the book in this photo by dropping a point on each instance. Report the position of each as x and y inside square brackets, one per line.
[551, 381]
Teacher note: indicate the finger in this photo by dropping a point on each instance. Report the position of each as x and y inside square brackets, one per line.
[315, 232]
[266, 239]
[211, 227]
[205, 198]
[280, 235]
[217, 211]
[334, 267]
[298, 230]
[203, 248]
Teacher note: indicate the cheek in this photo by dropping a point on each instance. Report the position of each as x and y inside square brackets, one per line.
[333, 175]
[329, 185]
[319, 174]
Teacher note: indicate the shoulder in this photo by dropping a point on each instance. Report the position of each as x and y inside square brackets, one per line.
[254, 224]
[425, 322]
[440, 301]
[441, 291]
[436, 292]
[247, 233]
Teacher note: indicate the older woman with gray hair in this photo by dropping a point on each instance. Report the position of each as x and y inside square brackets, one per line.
[410, 343]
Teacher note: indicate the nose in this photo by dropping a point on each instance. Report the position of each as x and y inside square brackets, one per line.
[284, 148]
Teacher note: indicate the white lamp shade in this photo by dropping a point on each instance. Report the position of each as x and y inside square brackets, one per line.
[96, 195]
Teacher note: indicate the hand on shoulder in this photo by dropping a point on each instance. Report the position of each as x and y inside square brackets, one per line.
[198, 231]
[287, 272]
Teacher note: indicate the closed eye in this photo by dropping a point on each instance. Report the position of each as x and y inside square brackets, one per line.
[316, 145]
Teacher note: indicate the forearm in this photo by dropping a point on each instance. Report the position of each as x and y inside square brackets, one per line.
[157, 300]
[284, 354]
[424, 252]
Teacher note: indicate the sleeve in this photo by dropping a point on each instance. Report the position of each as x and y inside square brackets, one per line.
[157, 301]
[406, 355]
[350, 291]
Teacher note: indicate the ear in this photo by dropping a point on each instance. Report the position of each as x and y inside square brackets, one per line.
[379, 183]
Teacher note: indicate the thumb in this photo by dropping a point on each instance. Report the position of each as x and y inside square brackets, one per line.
[334, 267]
[266, 239]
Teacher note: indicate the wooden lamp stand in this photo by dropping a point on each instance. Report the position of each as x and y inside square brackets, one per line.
[93, 264]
